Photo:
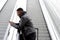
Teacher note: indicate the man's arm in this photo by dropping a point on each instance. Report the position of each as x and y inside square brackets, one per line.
[15, 25]
[21, 24]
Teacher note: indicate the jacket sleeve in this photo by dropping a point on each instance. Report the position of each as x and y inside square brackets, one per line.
[15, 25]
[24, 20]
[21, 23]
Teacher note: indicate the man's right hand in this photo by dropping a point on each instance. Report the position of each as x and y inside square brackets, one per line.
[11, 23]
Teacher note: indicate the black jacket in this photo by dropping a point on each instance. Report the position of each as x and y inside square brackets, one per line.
[25, 25]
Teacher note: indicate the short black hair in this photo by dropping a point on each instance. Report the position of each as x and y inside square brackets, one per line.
[19, 9]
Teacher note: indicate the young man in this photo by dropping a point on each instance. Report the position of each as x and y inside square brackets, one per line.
[24, 25]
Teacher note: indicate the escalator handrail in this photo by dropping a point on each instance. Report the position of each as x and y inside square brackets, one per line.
[9, 27]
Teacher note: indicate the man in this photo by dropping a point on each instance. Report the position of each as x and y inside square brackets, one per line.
[24, 25]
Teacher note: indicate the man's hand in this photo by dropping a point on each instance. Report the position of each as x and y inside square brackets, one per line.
[14, 24]
[11, 23]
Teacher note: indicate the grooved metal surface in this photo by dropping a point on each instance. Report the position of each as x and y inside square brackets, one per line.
[35, 13]
[5, 15]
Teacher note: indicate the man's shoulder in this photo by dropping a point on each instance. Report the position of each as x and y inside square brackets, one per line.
[25, 17]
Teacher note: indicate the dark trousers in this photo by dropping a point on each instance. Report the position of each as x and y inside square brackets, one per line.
[31, 36]
[21, 37]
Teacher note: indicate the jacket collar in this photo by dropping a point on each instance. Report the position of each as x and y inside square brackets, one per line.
[24, 12]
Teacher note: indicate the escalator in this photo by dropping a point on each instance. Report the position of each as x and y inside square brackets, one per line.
[35, 13]
[5, 15]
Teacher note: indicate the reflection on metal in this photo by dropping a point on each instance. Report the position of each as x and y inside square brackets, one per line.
[37, 33]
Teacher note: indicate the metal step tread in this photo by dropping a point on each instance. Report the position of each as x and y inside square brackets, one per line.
[35, 13]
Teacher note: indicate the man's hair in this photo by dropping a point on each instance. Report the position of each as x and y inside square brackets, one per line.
[19, 9]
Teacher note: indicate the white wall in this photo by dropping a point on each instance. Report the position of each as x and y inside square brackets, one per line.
[56, 4]
[53, 7]
[51, 11]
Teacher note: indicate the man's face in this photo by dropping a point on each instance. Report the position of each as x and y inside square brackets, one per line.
[19, 13]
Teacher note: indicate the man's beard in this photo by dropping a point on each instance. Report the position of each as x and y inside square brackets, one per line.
[19, 15]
